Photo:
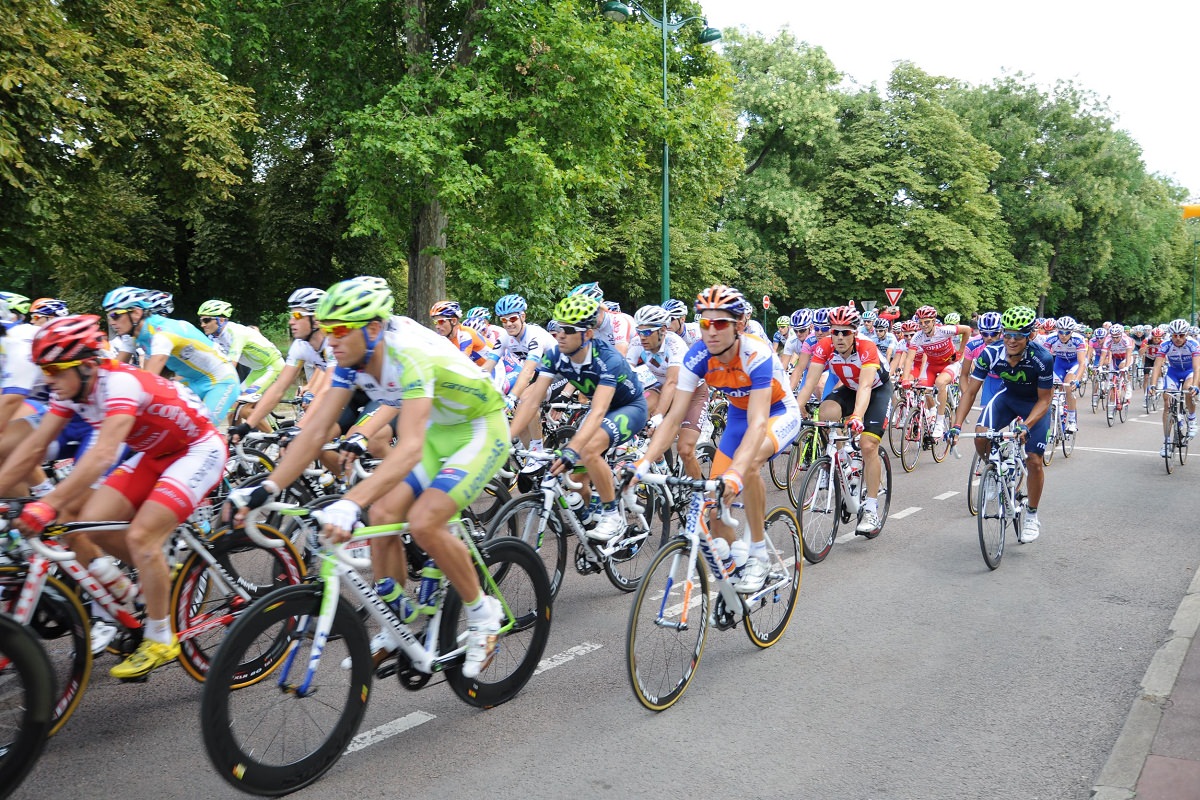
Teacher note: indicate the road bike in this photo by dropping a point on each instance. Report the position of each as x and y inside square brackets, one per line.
[834, 491]
[283, 731]
[808, 447]
[1118, 394]
[26, 702]
[1175, 441]
[670, 617]
[215, 577]
[918, 428]
[1058, 433]
[1000, 495]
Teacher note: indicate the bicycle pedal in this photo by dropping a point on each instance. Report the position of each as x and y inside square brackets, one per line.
[584, 564]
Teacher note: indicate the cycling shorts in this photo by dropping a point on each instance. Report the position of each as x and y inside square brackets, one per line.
[1062, 366]
[1003, 408]
[1173, 379]
[878, 410]
[178, 481]
[218, 397]
[783, 426]
[460, 459]
[262, 377]
[932, 370]
[622, 423]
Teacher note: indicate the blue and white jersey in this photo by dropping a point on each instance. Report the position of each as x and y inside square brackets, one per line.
[670, 353]
[529, 346]
[602, 366]
[1034, 371]
[1178, 359]
[1067, 350]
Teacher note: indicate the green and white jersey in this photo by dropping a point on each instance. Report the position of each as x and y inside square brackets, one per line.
[247, 346]
[419, 363]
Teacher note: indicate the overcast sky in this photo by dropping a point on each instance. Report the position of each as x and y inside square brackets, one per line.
[1144, 57]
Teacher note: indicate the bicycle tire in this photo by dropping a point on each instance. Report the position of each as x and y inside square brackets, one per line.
[991, 519]
[64, 631]
[809, 449]
[625, 567]
[229, 717]
[1051, 443]
[1123, 410]
[821, 512]
[493, 498]
[27, 695]
[519, 518]
[883, 496]
[940, 448]
[1181, 440]
[521, 580]
[914, 438]
[766, 621]
[672, 649]
[777, 468]
[201, 615]
[896, 429]
[1068, 443]
[974, 472]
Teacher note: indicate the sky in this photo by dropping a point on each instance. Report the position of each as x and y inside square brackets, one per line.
[1144, 58]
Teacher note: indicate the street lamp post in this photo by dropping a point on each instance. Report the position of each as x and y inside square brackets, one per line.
[619, 12]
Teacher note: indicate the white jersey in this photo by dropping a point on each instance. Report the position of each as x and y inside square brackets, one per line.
[20, 375]
[669, 354]
[533, 342]
[755, 328]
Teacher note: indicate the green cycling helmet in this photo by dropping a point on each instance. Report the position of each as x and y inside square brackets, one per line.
[1018, 318]
[17, 303]
[360, 299]
[783, 322]
[578, 310]
[215, 308]
[953, 318]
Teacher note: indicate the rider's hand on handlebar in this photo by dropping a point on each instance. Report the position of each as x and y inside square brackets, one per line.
[854, 424]
[566, 461]
[249, 498]
[340, 519]
[733, 484]
[35, 516]
[239, 432]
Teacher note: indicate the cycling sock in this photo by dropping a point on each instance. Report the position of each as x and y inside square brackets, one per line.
[158, 630]
[759, 550]
[475, 611]
[870, 505]
[535, 444]
[610, 507]
[1032, 511]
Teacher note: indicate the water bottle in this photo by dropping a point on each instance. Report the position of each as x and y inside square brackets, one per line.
[739, 551]
[105, 570]
[393, 594]
[723, 554]
[431, 579]
[575, 502]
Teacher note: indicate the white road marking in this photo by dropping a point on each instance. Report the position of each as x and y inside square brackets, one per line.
[1119, 451]
[388, 730]
[567, 655]
[905, 513]
[944, 495]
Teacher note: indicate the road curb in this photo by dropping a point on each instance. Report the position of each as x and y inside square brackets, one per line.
[1118, 779]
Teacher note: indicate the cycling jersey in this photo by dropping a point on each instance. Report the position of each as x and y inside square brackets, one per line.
[301, 351]
[938, 347]
[848, 367]
[530, 345]
[755, 328]
[623, 327]
[190, 354]
[603, 366]
[21, 376]
[1118, 347]
[754, 366]
[419, 363]
[612, 332]
[670, 353]
[1034, 371]
[1178, 358]
[246, 346]
[1068, 350]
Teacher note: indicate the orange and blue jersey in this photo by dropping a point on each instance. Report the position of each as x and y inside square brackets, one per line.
[754, 366]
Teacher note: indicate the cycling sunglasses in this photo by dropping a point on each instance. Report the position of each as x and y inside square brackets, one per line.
[644, 332]
[206, 320]
[511, 319]
[298, 314]
[340, 330]
[715, 324]
[54, 369]
[841, 332]
[1015, 335]
[569, 329]
[117, 313]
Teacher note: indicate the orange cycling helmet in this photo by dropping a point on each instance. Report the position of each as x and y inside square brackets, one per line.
[720, 298]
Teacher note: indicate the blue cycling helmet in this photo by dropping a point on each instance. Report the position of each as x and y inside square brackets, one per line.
[676, 308]
[511, 304]
[821, 320]
[613, 306]
[478, 311]
[802, 318]
[125, 297]
[989, 322]
[592, 290]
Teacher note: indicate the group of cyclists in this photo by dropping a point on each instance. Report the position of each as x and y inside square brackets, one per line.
[457, 392]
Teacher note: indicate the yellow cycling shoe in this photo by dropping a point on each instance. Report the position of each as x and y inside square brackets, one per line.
[149, 656]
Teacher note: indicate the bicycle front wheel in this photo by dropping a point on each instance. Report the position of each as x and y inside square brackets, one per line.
[202, 609]
[974, 474]
[821, 510]
[64, 631]
[884, 495]
[639, 543]
[991, 519]
[896, 429]
[939, 448]
[777, 467]
[523, 518]
[914, 438]
[1181, 441]
[667, 626]
[1068, 442]
[275, 737]
[26, 702]
[517, 578]
[768, 617]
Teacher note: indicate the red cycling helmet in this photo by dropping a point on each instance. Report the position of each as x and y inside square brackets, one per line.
[845, 317]
[911, 326]
[66, 339]
[926, 312]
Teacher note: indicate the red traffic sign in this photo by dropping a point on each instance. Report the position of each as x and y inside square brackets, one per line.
[893, 296]
[766, 301]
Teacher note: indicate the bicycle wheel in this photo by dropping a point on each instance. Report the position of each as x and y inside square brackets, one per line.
[704, 454]
[493, 498]
[638, 544]
[777, 467]
[884, 496]
[973, 475]
[667, 627]
[914, 438]
[202, 611]
[1123, 408]
[64, 631]
[1068, 441]
[896, 428]
[522, 518]
[810, 447]
[1181, 440]
[1111, 404]
[991, 519]
[768, 617]
[269, 738]
[523, 589]
[940, 448]
[1051, 442]
[26, 702]
[821, 510]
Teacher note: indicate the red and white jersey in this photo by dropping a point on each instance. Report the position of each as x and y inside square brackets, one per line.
[847, 367]
[168, 417]
[939, 347]
[1119, 345]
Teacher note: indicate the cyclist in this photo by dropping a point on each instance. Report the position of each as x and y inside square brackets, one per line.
[763, 417]
[178, 458]
[1026, 372]
[494, 332]
[622, 322]
[1117, 353]
[617, 410]
[455, 436]
[752, 326]
[881, 336]
[14, 309]
[608, 327]
[525, 342]
[1070, 359]
[242, 344]
[176, 345]
[939, 346]
[1178, 363]
[863, 397]
[447, 321]
[688, 331]
[989, 333]
[782, 329]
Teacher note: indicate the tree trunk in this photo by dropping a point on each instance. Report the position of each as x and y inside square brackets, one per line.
[426, 270]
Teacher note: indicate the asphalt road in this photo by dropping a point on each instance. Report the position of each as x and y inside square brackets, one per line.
[909, 671]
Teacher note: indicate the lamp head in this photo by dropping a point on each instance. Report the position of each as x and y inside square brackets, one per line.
[616, 11]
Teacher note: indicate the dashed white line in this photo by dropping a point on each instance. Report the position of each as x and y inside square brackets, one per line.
[945, 495]
[388, 730]
[1119, 451]
[905, 513]
[569, 654]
